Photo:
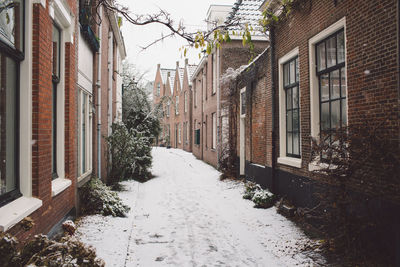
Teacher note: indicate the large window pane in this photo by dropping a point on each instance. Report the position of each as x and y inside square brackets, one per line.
[335, 114]
[84, 110]
[324, 87]
[285, 74]
[325, 118]
[289, 100]
[289, 125]
[295, 96]
[321, 61]
[331, 51]
[296, 120]
[340, 47]
[335, 84]
[297, 70]
[289, 146]
[8, 119]
[296, 144]
[11, 23]
[343, 82]
[344, 112]
[292, 72]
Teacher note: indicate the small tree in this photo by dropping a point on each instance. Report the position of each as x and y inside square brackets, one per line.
[361, 165]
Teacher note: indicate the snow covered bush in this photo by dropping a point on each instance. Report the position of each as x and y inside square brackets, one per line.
[97, 198]
[130, 154]
[41, 251]
[249, 189]
[263, 199]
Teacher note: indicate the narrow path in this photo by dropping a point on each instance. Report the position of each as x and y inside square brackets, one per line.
[185, 216]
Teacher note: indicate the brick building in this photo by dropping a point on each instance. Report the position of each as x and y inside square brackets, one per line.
[330, 64]
[38, 130]
[48, 127]
[208, 115]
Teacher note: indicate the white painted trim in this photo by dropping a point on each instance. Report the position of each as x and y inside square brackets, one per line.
[83, 176]
[15, 211]
[58, 185]
[294, 162]
[314, 90]
[282, 108]
[243, 90]
[42, 2]
[25, 136]
[315, 166]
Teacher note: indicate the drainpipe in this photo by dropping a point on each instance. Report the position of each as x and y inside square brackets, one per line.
[273, 93]
[99, 101]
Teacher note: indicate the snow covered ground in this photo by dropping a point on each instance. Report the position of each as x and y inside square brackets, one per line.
[186, 216]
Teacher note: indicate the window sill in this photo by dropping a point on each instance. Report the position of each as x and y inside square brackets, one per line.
[293, 162]
[84, 178]
[315, 166]
[58, 185]
[15, 211]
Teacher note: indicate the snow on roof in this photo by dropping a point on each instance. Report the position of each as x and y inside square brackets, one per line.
[247, 11]
[181, 74]
[172, 80]
[164, 74]
[190, 70]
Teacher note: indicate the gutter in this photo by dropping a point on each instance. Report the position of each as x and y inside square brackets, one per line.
[99, 102]
[273, 104]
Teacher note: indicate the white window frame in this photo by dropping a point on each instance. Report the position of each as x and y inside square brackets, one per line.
[283, 158]
[82, 174]
[186, 101]
[61, 15]
[179, 133]
[242, 91]
[214, 130]
[177, 105]
[214, 69]
[314, 84]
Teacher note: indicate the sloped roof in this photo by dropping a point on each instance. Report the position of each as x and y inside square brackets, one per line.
[181, 74]
[247, 11]
[164, 74]
[171, 81]
[190, 71]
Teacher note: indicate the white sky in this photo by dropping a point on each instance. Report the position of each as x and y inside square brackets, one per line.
[191, 12]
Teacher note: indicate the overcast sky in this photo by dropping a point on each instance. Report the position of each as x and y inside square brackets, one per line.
[191, 12]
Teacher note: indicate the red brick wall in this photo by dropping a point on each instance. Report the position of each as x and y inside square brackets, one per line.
[53, 208]
[187, 116]
[371, 44]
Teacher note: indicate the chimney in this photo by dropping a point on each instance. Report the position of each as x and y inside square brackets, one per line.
[177, 64]
[186, 62]
[169, 74]
[158, 66]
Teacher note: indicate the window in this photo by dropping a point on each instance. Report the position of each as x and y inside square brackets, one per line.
[328, 90]
[168, 108]
[84, 140]
[11, 54]
[179, 133]
[214, 131]
[186, 102]
[187, 132]
[214, 78]
[291, 87]
[177, 105]
[56, 53]
[332, 82]
[289, 110]
[197, 137]
[243, 102]
[158, 89]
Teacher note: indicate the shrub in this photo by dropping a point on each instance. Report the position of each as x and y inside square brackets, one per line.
[250, 189]
[97, 198]
[130, 154]
[263, 199]
[41, 251]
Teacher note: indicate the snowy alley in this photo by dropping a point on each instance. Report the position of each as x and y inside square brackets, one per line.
[186, 216]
